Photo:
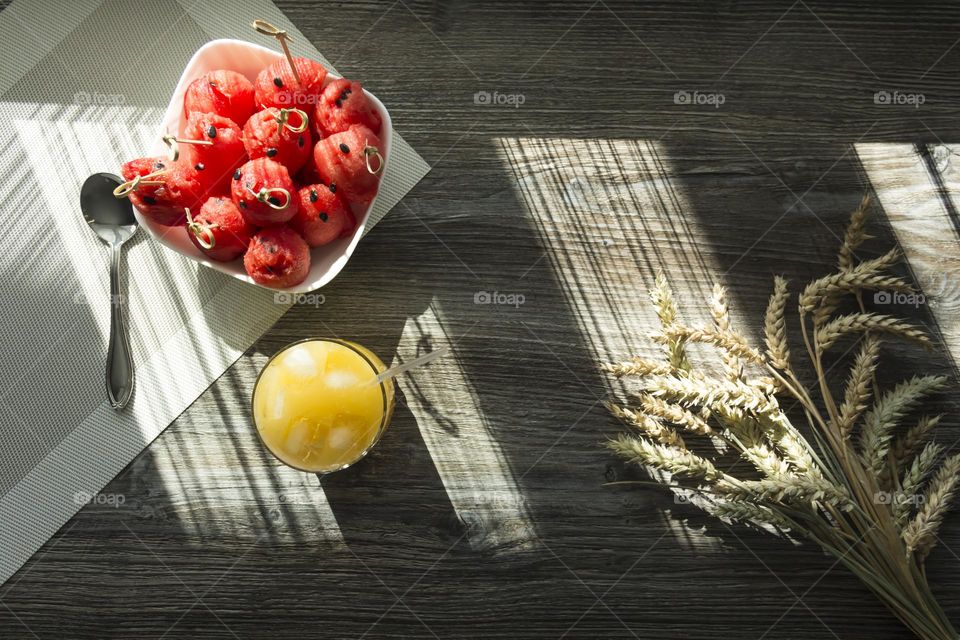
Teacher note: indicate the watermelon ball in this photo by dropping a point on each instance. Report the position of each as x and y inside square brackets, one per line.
[276, 86]
[163, 203]
[219, 231]
[277, 257]
[322, 216]
[350, 163]
[225, 93]
[288, 143]
[342, 104]
[215, 163]
[264, 192]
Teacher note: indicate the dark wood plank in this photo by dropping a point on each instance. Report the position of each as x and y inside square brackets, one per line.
[485, 507]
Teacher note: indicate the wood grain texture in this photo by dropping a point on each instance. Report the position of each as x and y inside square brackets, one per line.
[484, 512]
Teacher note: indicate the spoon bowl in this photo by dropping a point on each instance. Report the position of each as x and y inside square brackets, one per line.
[112, 219]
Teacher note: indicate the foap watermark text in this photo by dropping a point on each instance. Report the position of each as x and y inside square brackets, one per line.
[699, 98]
[899, 298]
[499, 298]
[899, 98]
[498, 99]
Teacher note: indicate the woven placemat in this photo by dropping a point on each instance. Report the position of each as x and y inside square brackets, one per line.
[84, 92]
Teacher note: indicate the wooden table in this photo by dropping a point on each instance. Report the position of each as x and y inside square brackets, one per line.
[719, 142]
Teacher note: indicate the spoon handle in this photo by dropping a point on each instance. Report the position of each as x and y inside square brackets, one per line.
[119, 360]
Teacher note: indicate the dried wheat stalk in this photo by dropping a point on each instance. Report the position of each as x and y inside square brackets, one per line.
[858, 497]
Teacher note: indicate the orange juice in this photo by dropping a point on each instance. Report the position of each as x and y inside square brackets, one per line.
[317, 404]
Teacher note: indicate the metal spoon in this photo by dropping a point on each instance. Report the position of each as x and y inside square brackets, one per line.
[113, 221]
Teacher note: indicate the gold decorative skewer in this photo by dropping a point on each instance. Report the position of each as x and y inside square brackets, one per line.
[128, 187]
[173, 142]
[368, 152]
[283, 120]
[267, 29]
[202, 232]
[264, 196]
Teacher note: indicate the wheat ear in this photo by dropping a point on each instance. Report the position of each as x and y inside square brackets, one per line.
[721, 320]
[666, 307]
[651, 427]
[757, 451]
[854, 235]
[787, 489]
[636, 367]
[749, 513]
[913, 479]
[676, 414]
[666, 458]
[849, 281]
[732, 343]
[889, 409]
[920, 535]
[717, 395]
[856, 396]
[775, 326]
[828, 334]
[907, 444]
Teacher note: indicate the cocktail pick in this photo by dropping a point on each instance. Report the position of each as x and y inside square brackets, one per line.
[265, 196]
[174, 143]
[283, 119]
[372, 152]
[126, 188]
[202, 232]
[267, 29]
[393, 372]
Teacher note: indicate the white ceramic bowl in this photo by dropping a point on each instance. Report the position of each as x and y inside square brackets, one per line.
[248, 59]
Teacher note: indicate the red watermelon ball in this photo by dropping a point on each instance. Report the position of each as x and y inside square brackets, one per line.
[341, 163]
[277, 257]
[164, 203]
[322, 216]
[217, 162]
[258, 190]
[263, 136]
[225, 93]
[342, 104]
[219, 231]
[276, 86]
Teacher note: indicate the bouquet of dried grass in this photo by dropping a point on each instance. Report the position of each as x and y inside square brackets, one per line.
[867, 488]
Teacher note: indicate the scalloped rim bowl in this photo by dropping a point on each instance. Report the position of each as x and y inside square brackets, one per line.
[248, 59]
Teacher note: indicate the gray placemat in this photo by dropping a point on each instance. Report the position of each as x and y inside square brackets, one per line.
[85, 91]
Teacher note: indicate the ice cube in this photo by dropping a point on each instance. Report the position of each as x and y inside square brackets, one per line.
[297, 437]
[341, 438]
[299, 362]
[339, 379]
[276, 405]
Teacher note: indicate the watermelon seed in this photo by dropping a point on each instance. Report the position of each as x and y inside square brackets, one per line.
[339, 102]
[271, 152]
[199, 166]
[344, 148]
[236, 174]
[243, 205]
[300, 141]
[277, 81]
[158, 165]
[149, 199]
[212, 131]
[333, 187]
[324, 216]
[274, 200]
[313, 195]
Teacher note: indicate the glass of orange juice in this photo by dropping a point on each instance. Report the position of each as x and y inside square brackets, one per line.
[318, 405]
